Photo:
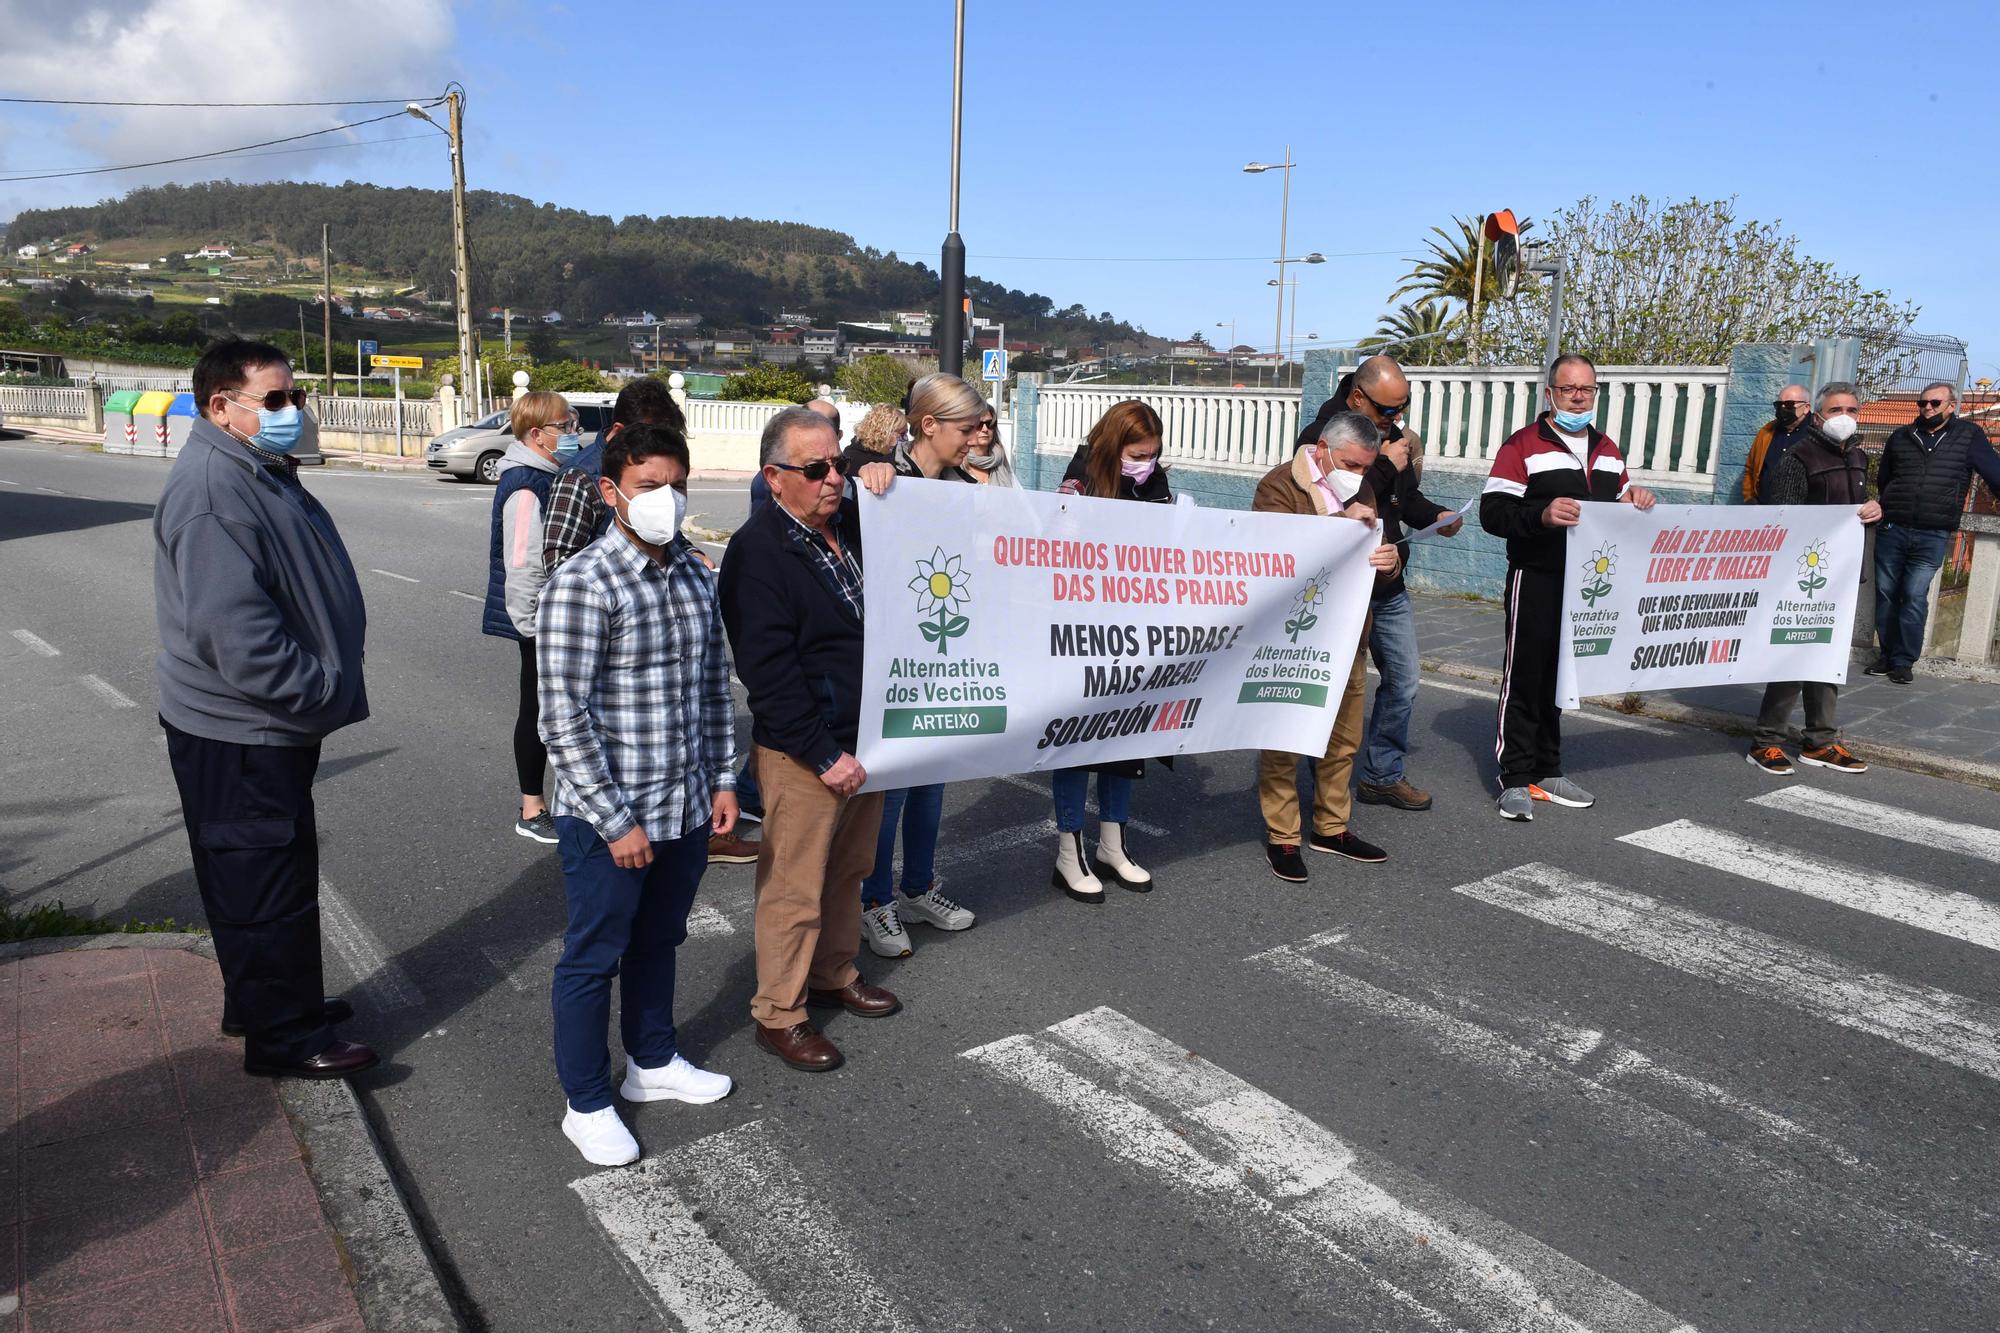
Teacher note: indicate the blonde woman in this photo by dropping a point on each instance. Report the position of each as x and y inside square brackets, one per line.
[943, 422]
[875, 438]
[546, 437]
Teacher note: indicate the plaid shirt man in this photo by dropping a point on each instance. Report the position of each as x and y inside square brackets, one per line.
[575, 517]
[634, 689]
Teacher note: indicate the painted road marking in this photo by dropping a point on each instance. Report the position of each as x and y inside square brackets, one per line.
[1041, 789]
[1947, 912]
[392, 574]
[51, 490]
[670, 1215]
[470, 597]
[1681, 1117]
[1280, 1178]
[1885, 820]
[534, 972]
[706, 922]
[384, 981]
[1933, 1022]
[104, 690]
[3, 480]
[38, 643]
[980, 848]
[1592, 714]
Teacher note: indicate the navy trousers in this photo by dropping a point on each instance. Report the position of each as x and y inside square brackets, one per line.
[249, 816]
[627, 924]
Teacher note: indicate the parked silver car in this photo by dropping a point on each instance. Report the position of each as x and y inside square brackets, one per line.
[474, 451]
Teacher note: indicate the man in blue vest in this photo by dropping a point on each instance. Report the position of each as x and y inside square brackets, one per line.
[1925, 470]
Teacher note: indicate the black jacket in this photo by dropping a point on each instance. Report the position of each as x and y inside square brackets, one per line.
[1815, 470]
[1922, 479]
[796, 644]
[1399, 499]
[1533, 468]
[1155, 489]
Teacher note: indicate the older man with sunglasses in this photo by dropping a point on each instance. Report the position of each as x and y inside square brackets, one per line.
[261, 629]
[792, 605]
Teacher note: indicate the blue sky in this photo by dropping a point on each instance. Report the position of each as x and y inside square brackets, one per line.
[1113, 133]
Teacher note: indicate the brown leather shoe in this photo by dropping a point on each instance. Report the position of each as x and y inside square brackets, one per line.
[727, 850]
[859, 998]
[1399, 794]
[801, 1046]
[343, 1059]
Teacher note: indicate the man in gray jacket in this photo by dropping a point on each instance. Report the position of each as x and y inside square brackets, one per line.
[261, 628]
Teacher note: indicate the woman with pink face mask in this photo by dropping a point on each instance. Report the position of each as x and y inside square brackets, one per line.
[1120, 461]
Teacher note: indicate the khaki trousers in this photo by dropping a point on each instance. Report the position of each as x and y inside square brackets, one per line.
[1333, 801]
[815, 850]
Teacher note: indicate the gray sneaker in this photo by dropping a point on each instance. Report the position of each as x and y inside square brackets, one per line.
[1562, 791]
[1517, 803]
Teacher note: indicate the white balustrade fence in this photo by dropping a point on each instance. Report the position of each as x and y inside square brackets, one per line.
[723, 437]
[1223, 430]
[1668, 419]
[45, 402]
[377, 416]
[143, 383]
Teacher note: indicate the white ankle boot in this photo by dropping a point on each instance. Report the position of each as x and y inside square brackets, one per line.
[1073, 870]
[1120, 868]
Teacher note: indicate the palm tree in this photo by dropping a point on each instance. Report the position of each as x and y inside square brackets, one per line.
[1452, 267]
[1426, 333]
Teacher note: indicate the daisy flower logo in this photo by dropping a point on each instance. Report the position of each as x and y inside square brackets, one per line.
[1597, 572]
[1812, 569]
[941, 587]
[1312, 596]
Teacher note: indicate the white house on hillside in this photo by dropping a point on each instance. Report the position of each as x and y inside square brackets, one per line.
[29, 252]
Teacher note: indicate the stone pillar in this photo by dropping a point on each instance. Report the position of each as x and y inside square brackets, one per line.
[677, 390]
[448, 406]
[1027, 405]
[1322, 372]
[1757, 373]
[94, 408]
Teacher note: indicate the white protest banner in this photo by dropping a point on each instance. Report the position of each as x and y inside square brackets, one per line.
[1683, 595]
[1019, 631]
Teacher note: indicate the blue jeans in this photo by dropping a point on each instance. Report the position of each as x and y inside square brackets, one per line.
[920, 809]
[629, 920]
[1392, 642]
[1072, 788]
[1905, 561]
[749, 796]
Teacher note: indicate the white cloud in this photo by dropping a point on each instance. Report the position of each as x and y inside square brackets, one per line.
[183, 51]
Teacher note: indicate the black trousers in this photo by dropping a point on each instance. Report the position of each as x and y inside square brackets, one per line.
[531, 757]
[249, 816]
[1529, 747]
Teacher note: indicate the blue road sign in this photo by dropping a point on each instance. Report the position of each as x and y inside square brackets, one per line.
[369, 346]
[993, 364]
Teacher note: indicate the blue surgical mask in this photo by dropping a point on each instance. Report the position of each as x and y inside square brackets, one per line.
[279, 431]
[568, 447]
[1576, 423]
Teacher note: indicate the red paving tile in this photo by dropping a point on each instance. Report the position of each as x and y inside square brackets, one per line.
[213, 1076]
[94, 1171]
[134, 1097]
[54, 1010]
[75, 1253]
[181, 1300]
[262, 1205]
[255, 1133]
[87, 1049]
[293, 1284]
[77, 965]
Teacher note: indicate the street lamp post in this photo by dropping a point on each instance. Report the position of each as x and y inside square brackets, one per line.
[1284, 239]
[951, 327]
[468, 332]
[1229, 357]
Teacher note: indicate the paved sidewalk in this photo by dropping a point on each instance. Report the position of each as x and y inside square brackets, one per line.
[1952, 719]
[152, 1185]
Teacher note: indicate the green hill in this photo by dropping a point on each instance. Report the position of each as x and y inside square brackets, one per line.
[530, 256]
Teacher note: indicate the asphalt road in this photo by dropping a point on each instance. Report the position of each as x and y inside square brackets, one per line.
[1608, 1070]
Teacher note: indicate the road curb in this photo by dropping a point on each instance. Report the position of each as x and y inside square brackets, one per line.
[1888, 755]
[395, 1283]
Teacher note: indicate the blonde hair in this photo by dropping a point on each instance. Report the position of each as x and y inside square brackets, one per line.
[946, 397]
[878, 430]
[532, 410]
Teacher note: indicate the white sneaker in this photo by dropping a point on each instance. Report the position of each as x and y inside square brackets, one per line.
[883, 929]
[675, 1081]
[601, 1137]
[934, 909]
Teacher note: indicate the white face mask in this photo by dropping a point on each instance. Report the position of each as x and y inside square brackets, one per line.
[1840, 429]
[654, 516]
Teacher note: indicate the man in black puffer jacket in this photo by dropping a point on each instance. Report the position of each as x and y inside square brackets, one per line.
[1925, 470]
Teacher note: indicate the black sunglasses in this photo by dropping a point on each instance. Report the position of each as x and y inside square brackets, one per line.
[817, 469]
[275, 400]
[1933, 403]
[1385, 412]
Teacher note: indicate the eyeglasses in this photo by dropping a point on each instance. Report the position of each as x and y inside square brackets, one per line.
[817, 469]
[564, 427]
[1383, 410]
[275, 400]
[1933, 403]
[1583, 391]
[985, 425]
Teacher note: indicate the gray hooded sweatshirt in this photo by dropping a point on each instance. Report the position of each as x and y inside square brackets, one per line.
[261, 618]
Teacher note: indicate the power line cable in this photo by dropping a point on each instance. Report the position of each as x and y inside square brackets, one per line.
[313, 148]
[196, 157]
[352, 101]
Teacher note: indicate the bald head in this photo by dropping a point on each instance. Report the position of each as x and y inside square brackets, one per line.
[826, 408]
[1381, 372]
[1381, 391]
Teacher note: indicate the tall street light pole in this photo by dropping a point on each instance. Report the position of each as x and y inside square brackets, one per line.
[1284, 225]
[468, 332]
[951, 327]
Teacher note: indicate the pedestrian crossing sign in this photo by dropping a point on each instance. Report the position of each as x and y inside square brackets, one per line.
[993, 364]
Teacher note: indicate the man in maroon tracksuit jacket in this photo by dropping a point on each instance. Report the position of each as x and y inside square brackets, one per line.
[1531, 500]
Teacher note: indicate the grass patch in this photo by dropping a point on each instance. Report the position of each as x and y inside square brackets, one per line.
[51, 920]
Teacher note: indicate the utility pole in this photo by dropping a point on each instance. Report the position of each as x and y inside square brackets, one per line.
[468, 331]
[326, 294]
[951, 328]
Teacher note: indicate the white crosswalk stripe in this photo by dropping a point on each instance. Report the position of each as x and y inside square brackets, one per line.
[1947, 912]
[1885, 820]
[1296, 1190]
[700, 1224]
[1953, 1028]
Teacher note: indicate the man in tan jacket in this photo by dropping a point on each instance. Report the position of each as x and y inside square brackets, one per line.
[1328, 477]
